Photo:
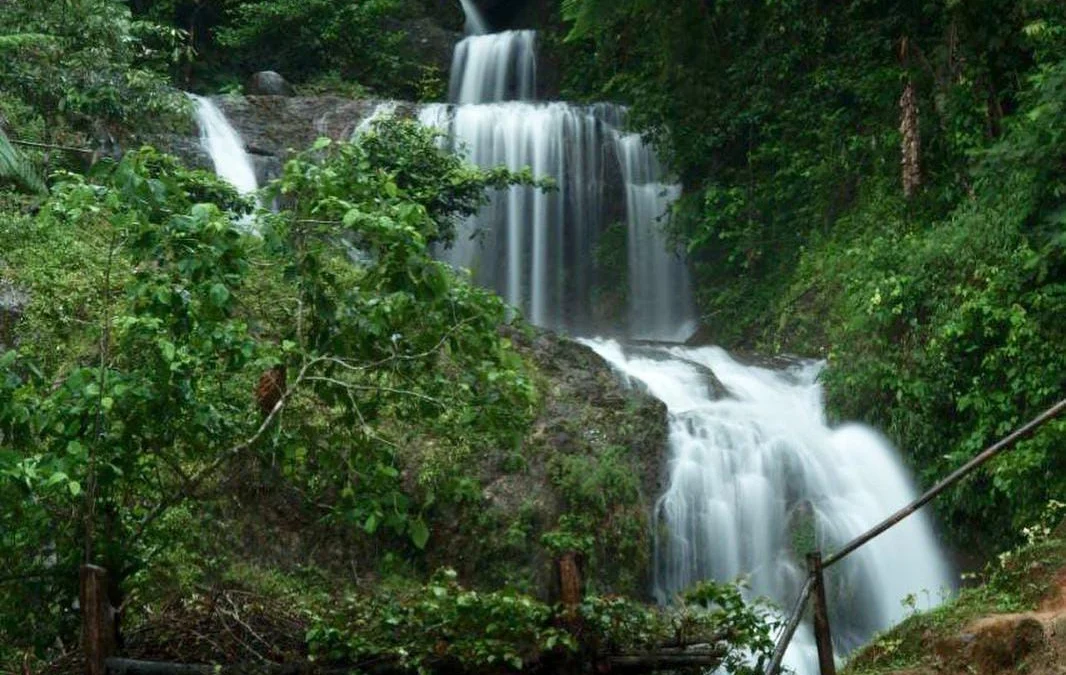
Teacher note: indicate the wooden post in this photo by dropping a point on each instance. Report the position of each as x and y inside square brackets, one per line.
[97, 619]
[822, 637]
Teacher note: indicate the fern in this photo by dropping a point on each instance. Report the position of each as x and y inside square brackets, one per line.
[15, 167]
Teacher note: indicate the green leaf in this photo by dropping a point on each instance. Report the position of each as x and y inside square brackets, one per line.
[15, 166]
[219, 295]
[371, 524]
[419, 533]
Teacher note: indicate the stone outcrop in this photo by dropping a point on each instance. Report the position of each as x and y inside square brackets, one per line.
[586, 415]
[268, 83]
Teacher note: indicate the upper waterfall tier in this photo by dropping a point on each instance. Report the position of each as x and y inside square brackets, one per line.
[495, 67]
[538, 248]
[475, 23]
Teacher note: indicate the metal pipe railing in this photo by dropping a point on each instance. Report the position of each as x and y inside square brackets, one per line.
[955, 476]
[816, 564]
[790, 627]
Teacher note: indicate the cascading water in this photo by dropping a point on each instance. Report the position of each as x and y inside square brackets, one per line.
[381, 111]
[475, 23]
[758, 478]
[495, 67]
[225, 147]
[659, 286]
[536, 248]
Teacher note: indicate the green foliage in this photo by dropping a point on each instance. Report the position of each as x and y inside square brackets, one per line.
[302, 38]
[15, 167]
[88, 64]
[502, 631]
[611, 271]
[604, 513]
[143, 400]
[438, 623]
[948, 334]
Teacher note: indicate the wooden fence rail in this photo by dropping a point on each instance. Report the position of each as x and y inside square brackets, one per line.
[816, 565]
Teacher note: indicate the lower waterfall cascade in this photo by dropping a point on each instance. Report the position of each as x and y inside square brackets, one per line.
[754, 470]
[757, 478]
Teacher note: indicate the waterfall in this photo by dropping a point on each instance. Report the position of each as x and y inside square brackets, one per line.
[757, 478]
[536, 248]
[383, 110]
[533, 246]
[475, 23]
[660, 297]
[225, 147]
[495, 67]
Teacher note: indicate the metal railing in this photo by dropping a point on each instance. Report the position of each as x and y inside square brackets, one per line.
[816, 565]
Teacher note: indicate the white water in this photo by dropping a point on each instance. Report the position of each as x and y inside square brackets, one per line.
[659, 291]
[475, 23]
[750, 471]
[495, 67]
[536, 248]
[225, 147]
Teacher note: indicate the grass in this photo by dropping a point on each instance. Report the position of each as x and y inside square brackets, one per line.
[1015, 582]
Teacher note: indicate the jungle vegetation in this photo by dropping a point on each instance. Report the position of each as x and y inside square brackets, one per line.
[876, 182]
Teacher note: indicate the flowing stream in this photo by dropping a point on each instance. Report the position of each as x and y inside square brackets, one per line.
[757, 477]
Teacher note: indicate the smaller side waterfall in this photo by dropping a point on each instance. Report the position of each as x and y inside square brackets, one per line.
[225, 147]
[382, 111]
[496, 67]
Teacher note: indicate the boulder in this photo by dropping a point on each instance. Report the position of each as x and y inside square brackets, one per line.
[268, 83]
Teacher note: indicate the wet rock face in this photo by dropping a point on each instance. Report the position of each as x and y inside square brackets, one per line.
[273, 127]
[506, 14]
[268, 83]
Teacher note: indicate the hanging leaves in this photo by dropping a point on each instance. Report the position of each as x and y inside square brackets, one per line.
[14, 166]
